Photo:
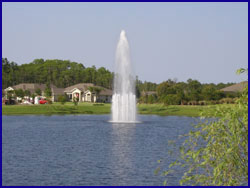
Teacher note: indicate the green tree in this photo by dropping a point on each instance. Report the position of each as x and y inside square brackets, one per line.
[38, 91]
[96, 90]
[27, 93]
[208, 92]
[193, 90]
[33, 97]
[47, 91]
[172, 99]
[151, 99]
[10, 97]
[19, 93]
[143, 99]
[9, 73]
[137, 88]
[163, 89]
[216, 152]
[137, 92]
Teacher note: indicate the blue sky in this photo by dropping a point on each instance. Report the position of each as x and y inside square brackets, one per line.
[204, 41]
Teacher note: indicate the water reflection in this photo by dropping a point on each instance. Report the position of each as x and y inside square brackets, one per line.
[122, 151]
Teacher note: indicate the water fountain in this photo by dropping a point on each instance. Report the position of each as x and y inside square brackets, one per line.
[124, 98]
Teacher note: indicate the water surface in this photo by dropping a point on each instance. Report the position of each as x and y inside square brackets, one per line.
[88, 150]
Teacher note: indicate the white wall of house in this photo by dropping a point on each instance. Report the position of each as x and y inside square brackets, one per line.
[76, 92]
[89, 96]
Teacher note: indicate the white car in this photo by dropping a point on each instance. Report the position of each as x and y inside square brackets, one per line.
[26, 102]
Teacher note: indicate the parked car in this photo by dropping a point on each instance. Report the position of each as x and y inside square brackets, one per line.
[43, 101]
[9, 101]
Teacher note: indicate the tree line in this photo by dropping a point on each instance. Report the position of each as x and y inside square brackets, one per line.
[64, 73]
[61, 73]
[192, 92]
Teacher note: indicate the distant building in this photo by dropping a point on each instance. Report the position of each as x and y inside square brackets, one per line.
[33, 87]
[147, 93]
[56, 92]
[88, 92]
[27, 86]
[83, 92]
[235, 88]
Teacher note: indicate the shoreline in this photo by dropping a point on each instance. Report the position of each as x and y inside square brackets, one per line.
[93, 109]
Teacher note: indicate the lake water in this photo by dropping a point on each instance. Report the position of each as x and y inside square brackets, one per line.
[88, 150]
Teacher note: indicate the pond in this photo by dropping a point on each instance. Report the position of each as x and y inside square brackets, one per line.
[79, 150]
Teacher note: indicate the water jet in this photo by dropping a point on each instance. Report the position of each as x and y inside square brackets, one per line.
[124, 98]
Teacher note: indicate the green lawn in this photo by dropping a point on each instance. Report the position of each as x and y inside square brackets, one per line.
[177, 110]
[90, 108]
[56, 108]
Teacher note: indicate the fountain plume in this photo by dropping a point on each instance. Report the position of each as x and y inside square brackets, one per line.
[124, 98]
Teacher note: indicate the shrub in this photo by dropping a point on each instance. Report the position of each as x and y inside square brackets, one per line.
[172, 99]
[75, 101]
[227, 100]
[151, 99]
[62, 99]
[98, 104]
[49, 101]
[192, 102]
[213, 102]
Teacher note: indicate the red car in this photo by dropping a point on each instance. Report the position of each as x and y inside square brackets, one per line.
[43, 101]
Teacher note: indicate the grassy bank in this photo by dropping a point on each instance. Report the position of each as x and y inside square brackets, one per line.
[56, 108]
[90, 108]
[175, 110]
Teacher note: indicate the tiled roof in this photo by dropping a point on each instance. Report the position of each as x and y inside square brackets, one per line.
[81, 86]
[31, 87]
[85, 86]
[105, 91]
[57, 91]
[60, 91]
[236, 87]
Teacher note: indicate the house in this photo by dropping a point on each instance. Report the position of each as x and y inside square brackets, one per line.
[83, 92]
[88, 92]
[33, 87]
[147, 93]
[235, 88]
[56, 92]
[27, 86]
